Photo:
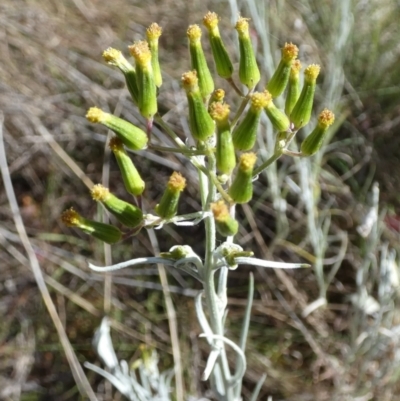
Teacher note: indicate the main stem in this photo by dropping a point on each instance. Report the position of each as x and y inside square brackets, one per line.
[215, 313]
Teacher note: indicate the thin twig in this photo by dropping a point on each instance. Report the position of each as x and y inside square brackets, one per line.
[240, 109]
[267, 163]
[234, 86]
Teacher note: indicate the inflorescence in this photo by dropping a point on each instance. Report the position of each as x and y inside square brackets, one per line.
[214, 133]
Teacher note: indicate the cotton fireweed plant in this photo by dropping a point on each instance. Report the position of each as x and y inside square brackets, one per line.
[221, 151]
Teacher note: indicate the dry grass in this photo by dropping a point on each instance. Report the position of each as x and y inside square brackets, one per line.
[51, 72]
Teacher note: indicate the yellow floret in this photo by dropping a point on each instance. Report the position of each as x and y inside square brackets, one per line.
[96, 115]
[289, 51]
[268, 98]
[194, 33]
[326, 118]
[220, 211]
[242, 25]
[296, 67]
[311, 72]
[176, 182]
[189, 80]
[247, 161]
[100, 193]
[154, 31]
[210, 20]
[141, 52]
[111, 55]
[219, 111]
[115, 144]
[259, 100]
[70, 218]
[218, 95]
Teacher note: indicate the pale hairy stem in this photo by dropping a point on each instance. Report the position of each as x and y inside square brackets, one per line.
[211, 297]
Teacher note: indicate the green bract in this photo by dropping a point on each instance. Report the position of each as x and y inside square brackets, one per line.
[132, 180]
[225, 151]
[153, 33]
[198, 61]
[293, 90]
[168, 206]
[225, 223]
[221, 57]
[127, 214]
[147, 97]
[314, 141]
[131, 136]
[201, 124]
[279, 80]
[241, 190]
[249, 74]
[114, 57]
[101, 231]
[278, 118]
[245, 133]
[301, 114]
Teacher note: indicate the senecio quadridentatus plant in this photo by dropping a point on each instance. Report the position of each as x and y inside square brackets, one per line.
[221, 151]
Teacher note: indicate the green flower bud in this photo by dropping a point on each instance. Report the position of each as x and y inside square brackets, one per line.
[226, 225]
[147, 100]
[198, 61]
[114, 57]
[127, 214]
[279, 80]
[153, 34]
[221, 57]
[177, 252]
[293, 91]
[245, 134]
[168, 206]
[132, 137]
[314, 141]
[249, 74]
[201, 124]
[132, 180]
[230, 258]
[241, 190]
[216, 97]
[301, 114]
[278, 118]
[101, 231]
[225, 152]
[280, 141]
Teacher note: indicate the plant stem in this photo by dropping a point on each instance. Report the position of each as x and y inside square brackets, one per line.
[241, 109]
[268, 162]
[176, 150]
[209, 251]
[170, 132]
[213, 306]
[234, 86]
[195, 160]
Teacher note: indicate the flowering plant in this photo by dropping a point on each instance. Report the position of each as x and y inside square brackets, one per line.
[221, 151]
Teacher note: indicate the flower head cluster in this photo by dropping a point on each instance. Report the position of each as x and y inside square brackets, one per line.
[213, 132]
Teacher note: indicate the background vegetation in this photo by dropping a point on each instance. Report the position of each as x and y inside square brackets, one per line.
[327, 333]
